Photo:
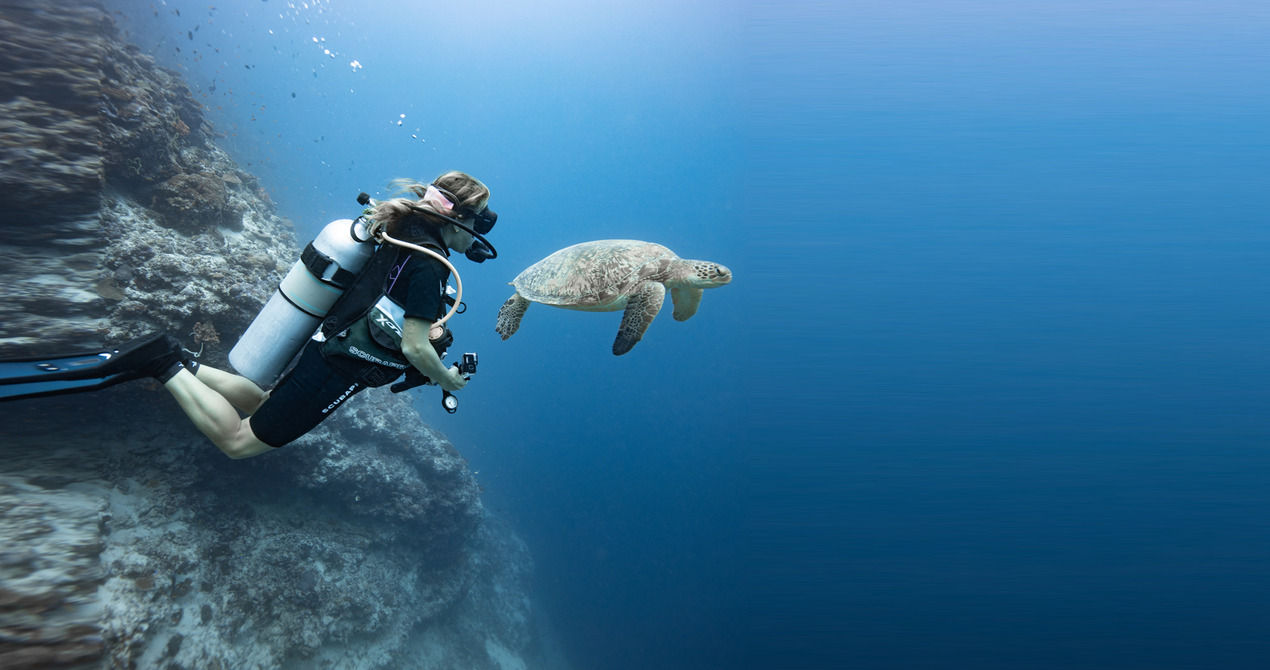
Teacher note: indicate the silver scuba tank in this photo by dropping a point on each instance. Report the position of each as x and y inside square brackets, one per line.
[325, 269]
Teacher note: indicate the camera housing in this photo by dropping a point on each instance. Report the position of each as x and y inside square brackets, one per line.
[467, 367]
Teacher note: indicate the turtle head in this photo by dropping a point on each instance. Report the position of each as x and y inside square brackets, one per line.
[708, 275]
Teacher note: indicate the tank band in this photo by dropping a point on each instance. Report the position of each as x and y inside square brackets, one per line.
[319, 263]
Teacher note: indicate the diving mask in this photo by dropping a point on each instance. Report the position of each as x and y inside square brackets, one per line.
[482, 221]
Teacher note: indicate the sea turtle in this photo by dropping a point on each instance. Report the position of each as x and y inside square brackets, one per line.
[609, 275]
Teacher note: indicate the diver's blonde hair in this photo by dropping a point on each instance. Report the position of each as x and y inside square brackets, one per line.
[390, 214]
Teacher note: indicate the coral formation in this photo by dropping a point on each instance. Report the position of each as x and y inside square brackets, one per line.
[205, 333]
[48, 530]
[92, 134]
[192, 202]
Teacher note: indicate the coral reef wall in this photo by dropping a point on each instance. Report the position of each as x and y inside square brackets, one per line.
[126, 539]
[51, 175]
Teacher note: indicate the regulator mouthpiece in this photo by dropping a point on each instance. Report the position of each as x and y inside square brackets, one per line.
[479, 252]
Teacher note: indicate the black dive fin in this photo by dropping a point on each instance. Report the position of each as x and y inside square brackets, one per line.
[77, 373]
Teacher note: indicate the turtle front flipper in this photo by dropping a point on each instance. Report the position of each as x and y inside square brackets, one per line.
[510, 314]
[686, 300]
[642, 306]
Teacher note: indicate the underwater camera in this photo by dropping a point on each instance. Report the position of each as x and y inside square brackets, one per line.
[467, 368]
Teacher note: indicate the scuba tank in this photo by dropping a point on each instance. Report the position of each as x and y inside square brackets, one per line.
[328, 265]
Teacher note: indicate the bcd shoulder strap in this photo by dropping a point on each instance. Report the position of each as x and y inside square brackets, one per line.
[366, 290]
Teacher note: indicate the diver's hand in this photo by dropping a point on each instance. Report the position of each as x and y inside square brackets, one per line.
[452, 381]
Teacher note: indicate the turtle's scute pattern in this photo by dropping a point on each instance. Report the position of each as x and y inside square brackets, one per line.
[593, 273]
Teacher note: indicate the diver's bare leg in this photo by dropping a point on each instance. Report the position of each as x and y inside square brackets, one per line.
[239, 391]
[212, 414]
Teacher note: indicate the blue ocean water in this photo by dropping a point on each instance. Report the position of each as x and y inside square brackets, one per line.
[1032, 410]
[989, 388]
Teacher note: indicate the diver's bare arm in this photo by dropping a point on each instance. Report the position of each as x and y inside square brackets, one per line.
[415, 345]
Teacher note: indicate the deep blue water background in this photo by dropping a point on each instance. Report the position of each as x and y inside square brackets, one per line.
[989, 389]
[1033, 423]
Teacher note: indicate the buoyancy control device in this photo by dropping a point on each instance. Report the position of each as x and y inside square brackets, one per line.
[328, 265]
[347, 261]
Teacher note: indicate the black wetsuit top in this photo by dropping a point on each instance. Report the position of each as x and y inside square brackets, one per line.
[419, 286]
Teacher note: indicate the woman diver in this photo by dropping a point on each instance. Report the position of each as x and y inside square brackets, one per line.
[395, 324]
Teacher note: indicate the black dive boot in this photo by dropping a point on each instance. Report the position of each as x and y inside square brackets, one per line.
[167, 362]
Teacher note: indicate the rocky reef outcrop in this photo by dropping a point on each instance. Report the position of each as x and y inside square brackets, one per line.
[126, 539]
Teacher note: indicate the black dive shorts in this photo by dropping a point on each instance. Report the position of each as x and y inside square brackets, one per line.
[309, 393]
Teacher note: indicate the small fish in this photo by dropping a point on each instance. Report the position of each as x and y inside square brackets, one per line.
[293, 94]
[190, 33]
[178, 49]
[177, 12]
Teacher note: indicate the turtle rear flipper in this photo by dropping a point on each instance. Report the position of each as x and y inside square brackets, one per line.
[510, 314]
[686, 301]
[641, 308]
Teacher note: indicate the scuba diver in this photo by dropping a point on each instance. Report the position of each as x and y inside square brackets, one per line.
[377, 287]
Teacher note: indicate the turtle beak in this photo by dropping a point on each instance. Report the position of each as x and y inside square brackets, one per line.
[724, 275]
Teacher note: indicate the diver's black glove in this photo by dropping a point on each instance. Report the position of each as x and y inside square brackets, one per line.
[413, 378]
[479, 252]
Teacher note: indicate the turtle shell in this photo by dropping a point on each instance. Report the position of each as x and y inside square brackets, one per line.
[598, 273]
